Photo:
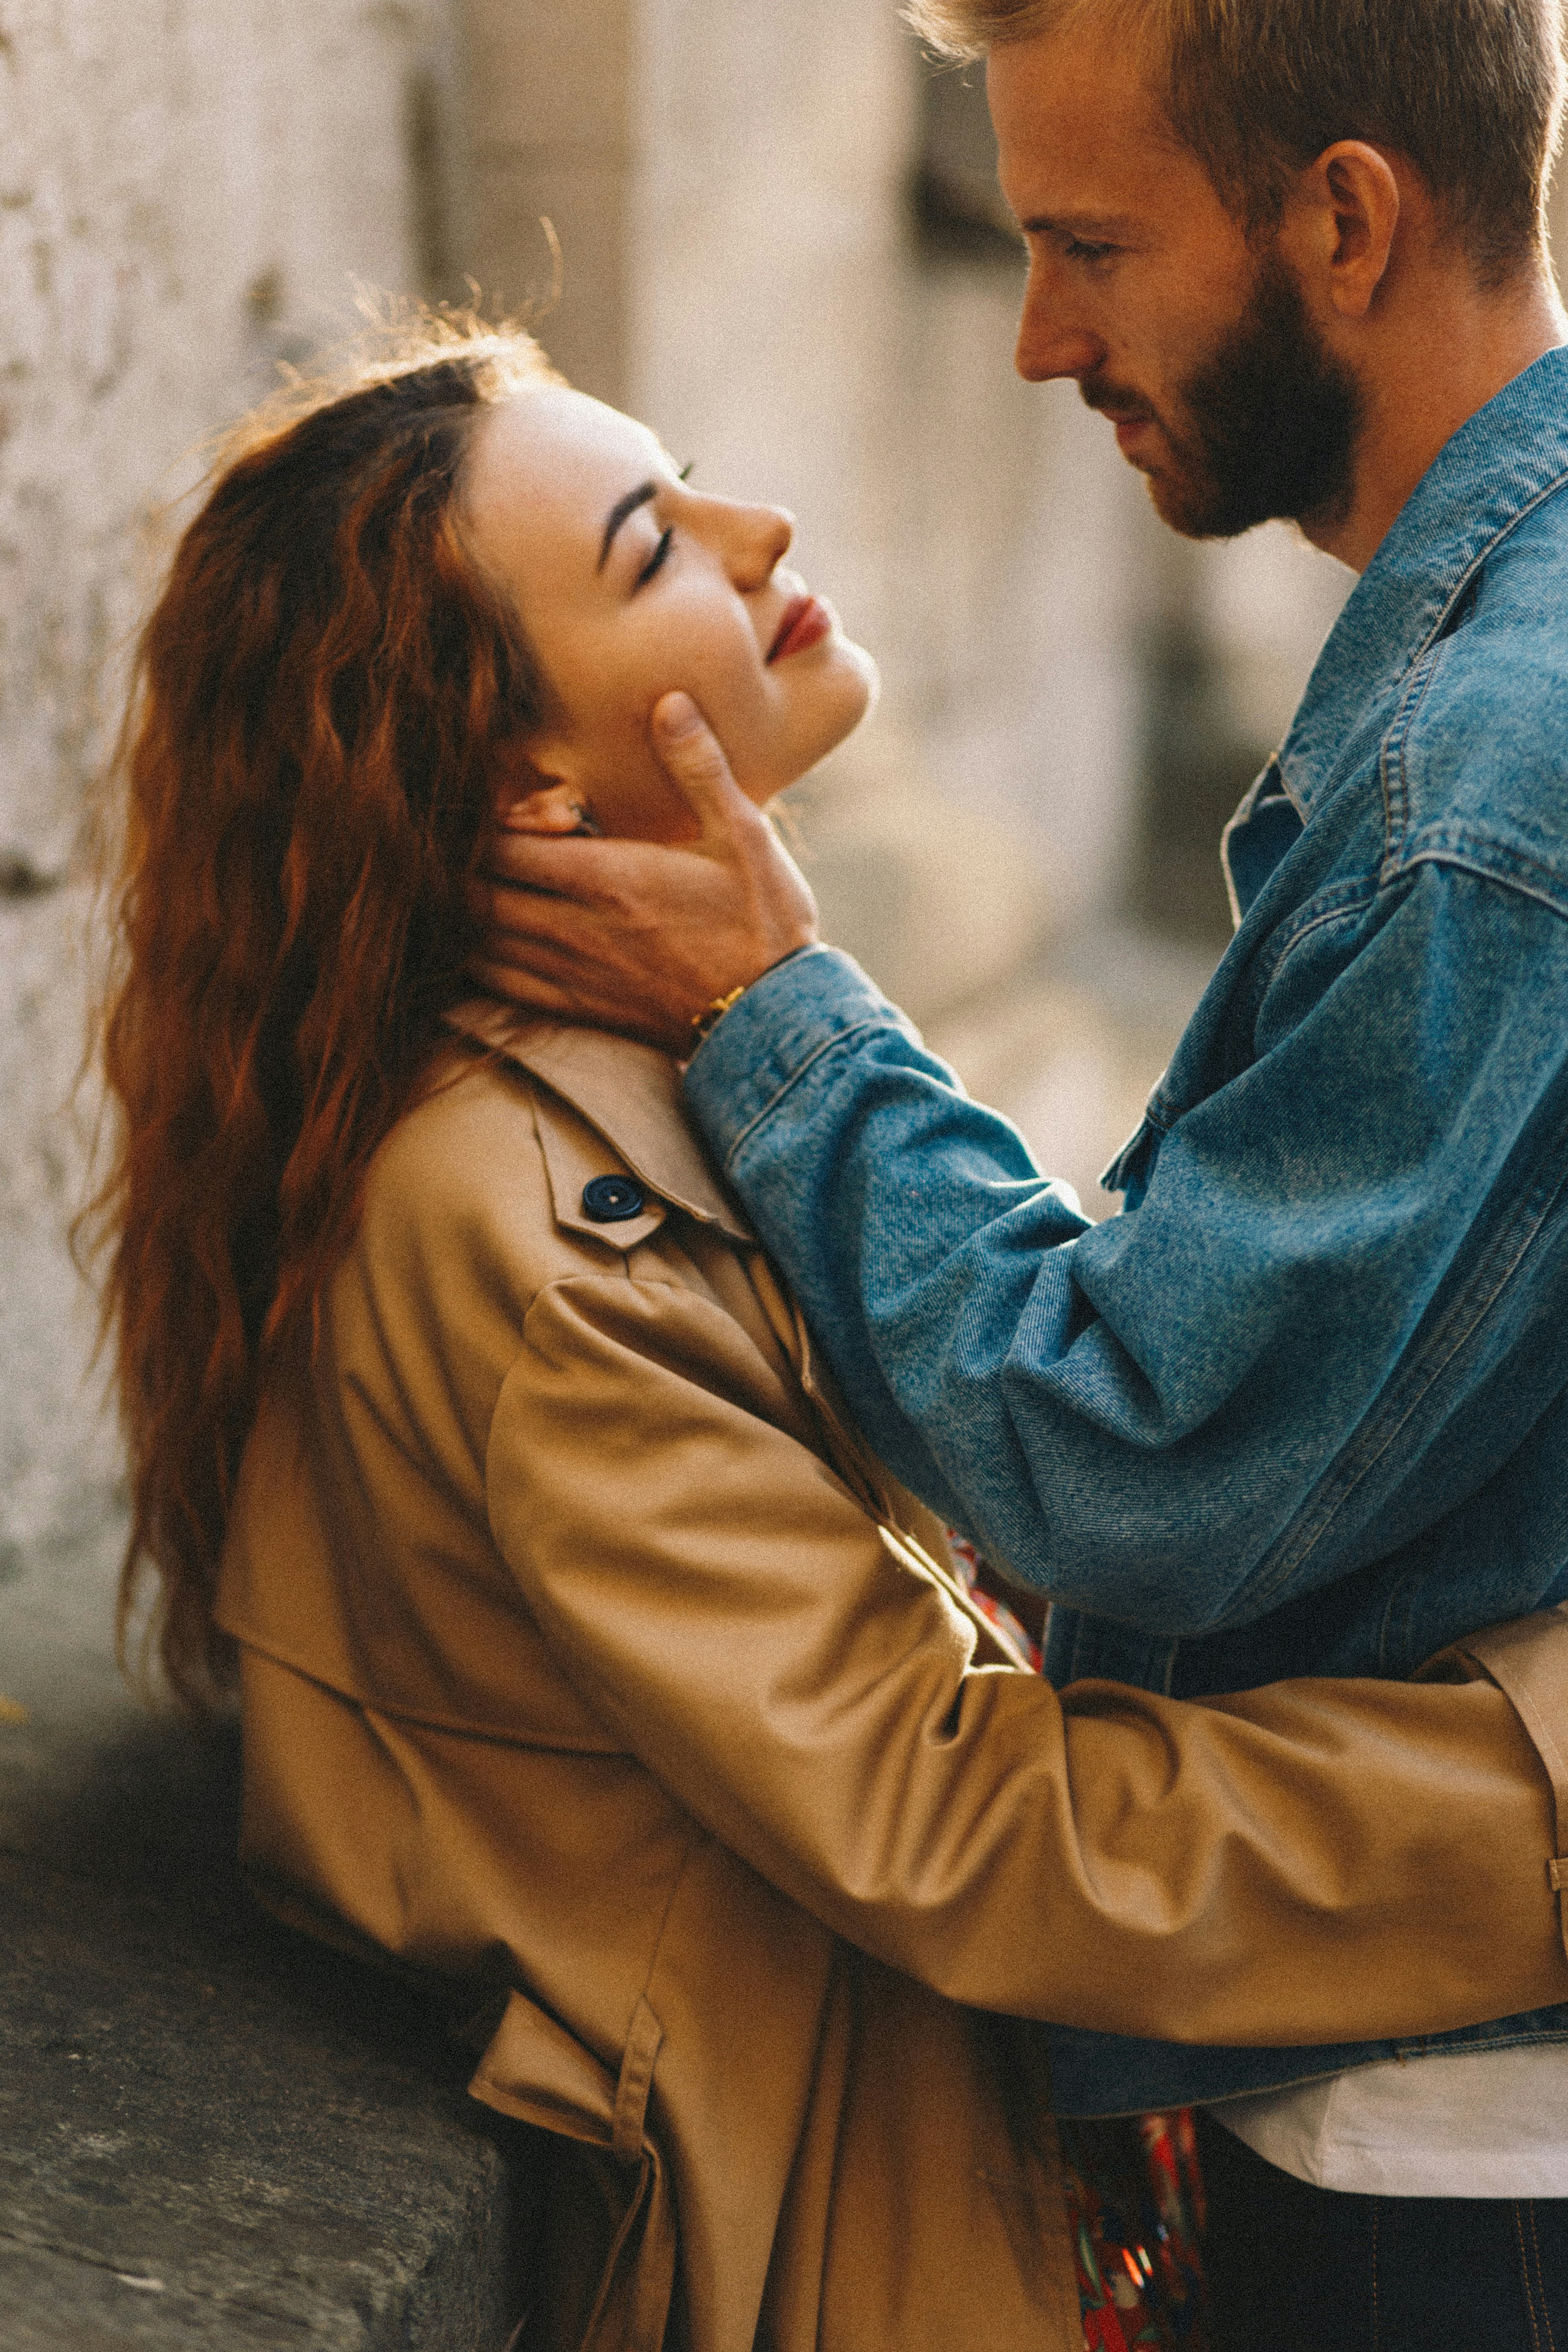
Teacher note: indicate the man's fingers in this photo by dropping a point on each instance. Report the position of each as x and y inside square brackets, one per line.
[503, 910]
[524, 988]
[693, 759]
[551, 866]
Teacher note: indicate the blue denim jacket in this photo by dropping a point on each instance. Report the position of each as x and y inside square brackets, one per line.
[1302, 1408]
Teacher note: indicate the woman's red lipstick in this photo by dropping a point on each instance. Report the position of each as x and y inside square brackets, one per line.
[805, 622]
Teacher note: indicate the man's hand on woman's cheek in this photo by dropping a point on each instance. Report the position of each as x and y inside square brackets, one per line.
[638, 938]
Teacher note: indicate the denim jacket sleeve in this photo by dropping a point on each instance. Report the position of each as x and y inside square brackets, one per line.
[1249, 1385]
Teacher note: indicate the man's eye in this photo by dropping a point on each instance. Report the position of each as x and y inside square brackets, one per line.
[657, 561]
[1077, 248]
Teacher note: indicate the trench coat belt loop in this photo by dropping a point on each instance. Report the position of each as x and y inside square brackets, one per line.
[643, 2044]
[1535, 1682]
[633, 2306]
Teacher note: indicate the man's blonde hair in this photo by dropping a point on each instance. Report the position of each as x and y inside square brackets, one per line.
[1469, 91]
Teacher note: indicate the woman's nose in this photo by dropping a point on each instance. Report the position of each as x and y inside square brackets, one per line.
[761, 538]
[1050, 343]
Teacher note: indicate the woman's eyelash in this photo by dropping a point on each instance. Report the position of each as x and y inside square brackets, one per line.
[656, 561]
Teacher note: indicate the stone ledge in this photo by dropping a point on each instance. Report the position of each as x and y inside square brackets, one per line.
[213, 2133]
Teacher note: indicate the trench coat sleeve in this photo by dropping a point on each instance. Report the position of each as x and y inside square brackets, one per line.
[1311, 1863]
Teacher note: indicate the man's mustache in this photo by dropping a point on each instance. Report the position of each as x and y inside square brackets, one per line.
[1113, 398]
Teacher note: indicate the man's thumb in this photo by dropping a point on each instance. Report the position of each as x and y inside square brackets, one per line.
[691, 756]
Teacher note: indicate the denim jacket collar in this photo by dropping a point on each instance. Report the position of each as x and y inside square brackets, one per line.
[1499, 463]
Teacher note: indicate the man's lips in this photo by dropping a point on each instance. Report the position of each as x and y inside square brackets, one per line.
[1131, 418]
[806, 621]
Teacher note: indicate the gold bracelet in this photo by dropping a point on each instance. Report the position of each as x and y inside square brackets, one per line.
[708, 1020]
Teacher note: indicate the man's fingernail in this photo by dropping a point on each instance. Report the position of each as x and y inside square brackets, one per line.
[676, 717]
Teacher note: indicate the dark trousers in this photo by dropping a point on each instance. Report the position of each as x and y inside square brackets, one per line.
[1297, 2269]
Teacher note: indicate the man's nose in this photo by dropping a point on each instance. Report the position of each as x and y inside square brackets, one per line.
[1051, 341]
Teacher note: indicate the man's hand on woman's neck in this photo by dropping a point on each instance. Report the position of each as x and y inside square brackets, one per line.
[638, 938]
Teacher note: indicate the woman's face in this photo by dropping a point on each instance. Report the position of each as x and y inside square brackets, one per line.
[629, 583]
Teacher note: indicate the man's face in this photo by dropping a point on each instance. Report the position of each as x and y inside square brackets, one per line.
[1198, 345]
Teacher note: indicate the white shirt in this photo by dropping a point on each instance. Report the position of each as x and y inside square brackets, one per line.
[1472, 2123]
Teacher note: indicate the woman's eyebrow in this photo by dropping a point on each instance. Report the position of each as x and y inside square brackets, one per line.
[620, 512]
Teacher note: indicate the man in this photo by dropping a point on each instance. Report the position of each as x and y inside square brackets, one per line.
[1303, 1407]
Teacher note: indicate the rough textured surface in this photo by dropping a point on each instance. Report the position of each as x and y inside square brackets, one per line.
[212, 2132]
[187, 194]
[550, 138]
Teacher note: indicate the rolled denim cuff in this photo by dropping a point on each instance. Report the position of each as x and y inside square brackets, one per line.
[806, 1007]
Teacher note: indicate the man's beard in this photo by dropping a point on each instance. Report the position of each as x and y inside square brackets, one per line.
[1270, 423]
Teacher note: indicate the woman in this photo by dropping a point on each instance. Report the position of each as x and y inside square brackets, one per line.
[586, 1658]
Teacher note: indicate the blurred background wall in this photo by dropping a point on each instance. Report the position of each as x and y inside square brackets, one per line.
[186, 187]
[782, 243]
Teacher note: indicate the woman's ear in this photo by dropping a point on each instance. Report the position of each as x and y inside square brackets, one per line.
[524, 799]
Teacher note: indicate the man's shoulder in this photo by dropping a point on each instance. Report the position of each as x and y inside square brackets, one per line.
[1478, 772]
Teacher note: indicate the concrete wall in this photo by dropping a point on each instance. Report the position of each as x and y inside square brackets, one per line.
[548, 113]
[792, 338]
[185, 192]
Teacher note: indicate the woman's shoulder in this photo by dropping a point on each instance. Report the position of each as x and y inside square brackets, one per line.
[470, 1120]
[536, 1154]
[460, 1190]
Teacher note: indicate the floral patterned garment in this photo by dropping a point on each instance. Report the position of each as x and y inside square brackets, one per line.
[1135, 2214]
[971, 1568]
[1133, 2190]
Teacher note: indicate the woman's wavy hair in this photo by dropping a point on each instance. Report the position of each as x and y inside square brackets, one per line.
[302, 780]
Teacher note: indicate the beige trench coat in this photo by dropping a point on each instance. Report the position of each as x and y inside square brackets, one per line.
[589, 1659]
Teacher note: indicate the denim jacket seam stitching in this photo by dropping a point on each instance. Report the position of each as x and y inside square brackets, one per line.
[1353, 899]
[1459, 1325]
[1320, 791]
[1402, 1594]
[1391, 754]
[1330, 900]
[1424, 667]
[828, 1045]
[1468, 1312]
[1431, 2046]
[1550, 892]
[1482, 555]
[1244, 808]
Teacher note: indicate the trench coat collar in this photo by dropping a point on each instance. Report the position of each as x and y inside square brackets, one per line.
[629, 1093]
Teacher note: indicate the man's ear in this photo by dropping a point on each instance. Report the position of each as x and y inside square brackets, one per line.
[526, 797]
[1341, 219]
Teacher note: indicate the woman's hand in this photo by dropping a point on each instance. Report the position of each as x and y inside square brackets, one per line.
[638, 938]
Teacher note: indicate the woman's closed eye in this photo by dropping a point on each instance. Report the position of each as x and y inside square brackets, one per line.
[656, 561]
[660, 555]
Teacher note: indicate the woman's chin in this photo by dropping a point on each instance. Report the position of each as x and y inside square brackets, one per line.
[858, 690]
[870, 679]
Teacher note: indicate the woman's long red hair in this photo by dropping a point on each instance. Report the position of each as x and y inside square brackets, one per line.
[319, 696]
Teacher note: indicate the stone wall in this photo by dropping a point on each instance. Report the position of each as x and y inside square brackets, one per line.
[187, 193]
